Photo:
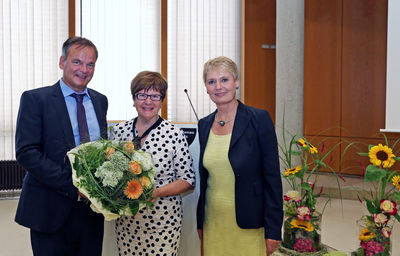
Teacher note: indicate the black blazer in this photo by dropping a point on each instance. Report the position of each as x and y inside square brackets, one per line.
[253, 154]
[43, 137]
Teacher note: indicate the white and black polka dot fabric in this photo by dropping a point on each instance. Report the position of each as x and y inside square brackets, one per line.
[157, 232]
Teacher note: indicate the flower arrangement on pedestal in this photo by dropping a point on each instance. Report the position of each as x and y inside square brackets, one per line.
[376, 227]
[302, 223]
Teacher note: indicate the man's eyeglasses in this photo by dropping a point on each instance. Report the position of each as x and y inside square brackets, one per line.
[143, 96]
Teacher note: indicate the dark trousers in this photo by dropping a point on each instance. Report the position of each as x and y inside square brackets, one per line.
[82, 234]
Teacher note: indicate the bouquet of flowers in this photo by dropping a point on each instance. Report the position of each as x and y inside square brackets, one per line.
[381, 204]
[302, 222]
[116, 178]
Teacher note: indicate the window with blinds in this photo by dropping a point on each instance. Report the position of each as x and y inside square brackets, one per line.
[127, 35]
[198, 30]
[32, 34]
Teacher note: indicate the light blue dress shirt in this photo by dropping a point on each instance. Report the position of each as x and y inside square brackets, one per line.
[91, 118]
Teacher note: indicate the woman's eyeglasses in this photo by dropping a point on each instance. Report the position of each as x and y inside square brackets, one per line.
[144, 96]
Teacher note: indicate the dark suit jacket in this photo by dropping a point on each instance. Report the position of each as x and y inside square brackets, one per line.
[253, 154]
[43, 137]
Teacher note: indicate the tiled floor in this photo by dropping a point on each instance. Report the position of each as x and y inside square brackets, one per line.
[14, 239]
[339, 229]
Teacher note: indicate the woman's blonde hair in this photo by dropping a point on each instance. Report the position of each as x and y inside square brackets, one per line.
[221, 62]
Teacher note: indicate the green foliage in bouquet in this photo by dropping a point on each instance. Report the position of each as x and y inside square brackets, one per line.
[381, 201]
[116, 178]
[301, 160]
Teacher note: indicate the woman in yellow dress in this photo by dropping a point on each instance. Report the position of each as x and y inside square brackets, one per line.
[240, 208]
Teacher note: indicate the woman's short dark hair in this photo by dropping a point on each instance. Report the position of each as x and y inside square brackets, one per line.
[149, 80]
[81, 42]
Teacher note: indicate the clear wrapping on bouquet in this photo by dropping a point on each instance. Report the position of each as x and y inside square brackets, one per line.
[116, 179]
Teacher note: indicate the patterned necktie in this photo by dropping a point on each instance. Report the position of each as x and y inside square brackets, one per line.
[81, 114]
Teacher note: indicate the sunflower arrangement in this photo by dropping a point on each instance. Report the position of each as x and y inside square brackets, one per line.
[381, 203]
[302, 222]
[115, 178]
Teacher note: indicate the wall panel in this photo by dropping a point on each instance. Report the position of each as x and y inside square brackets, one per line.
[364, 67]
[345, 75]
[322, 72]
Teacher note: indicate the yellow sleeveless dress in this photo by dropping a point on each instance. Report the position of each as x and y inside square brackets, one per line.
[222, 236]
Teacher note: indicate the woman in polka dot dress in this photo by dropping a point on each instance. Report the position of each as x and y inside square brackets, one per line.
[155, 232]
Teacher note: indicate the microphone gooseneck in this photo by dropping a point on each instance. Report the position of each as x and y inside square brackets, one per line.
[194, 111]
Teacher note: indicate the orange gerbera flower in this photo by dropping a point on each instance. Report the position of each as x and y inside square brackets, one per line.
[134, 167]
[129, 147]
[145, 181]
[109, 151]
[133, 190]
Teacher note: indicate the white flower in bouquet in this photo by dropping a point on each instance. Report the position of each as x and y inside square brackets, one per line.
[145, 160]
[110, 172]
[292, 195]
[380, 218]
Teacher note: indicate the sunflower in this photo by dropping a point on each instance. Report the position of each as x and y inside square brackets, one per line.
[396, 181]
[303, 143]
[313, 149]
[366, 235]
[381, 155]
[133, 190]
[134, 167]
[291, 171]
[306, 225]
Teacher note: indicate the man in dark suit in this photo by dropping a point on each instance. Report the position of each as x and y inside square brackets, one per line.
[49, 124]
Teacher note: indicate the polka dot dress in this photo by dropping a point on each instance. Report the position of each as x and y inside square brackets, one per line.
[157, 232]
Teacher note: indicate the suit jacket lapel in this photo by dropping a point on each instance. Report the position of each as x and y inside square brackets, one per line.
[99, 113]
[242, 120]
[63, 117]
[205, 130]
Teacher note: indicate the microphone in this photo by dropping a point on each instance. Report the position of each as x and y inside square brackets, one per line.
[186, 91]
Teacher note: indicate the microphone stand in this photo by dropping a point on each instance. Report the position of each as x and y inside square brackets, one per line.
[186, 91]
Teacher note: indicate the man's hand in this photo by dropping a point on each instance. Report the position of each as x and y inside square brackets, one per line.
[200, 233]
[271, 245]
